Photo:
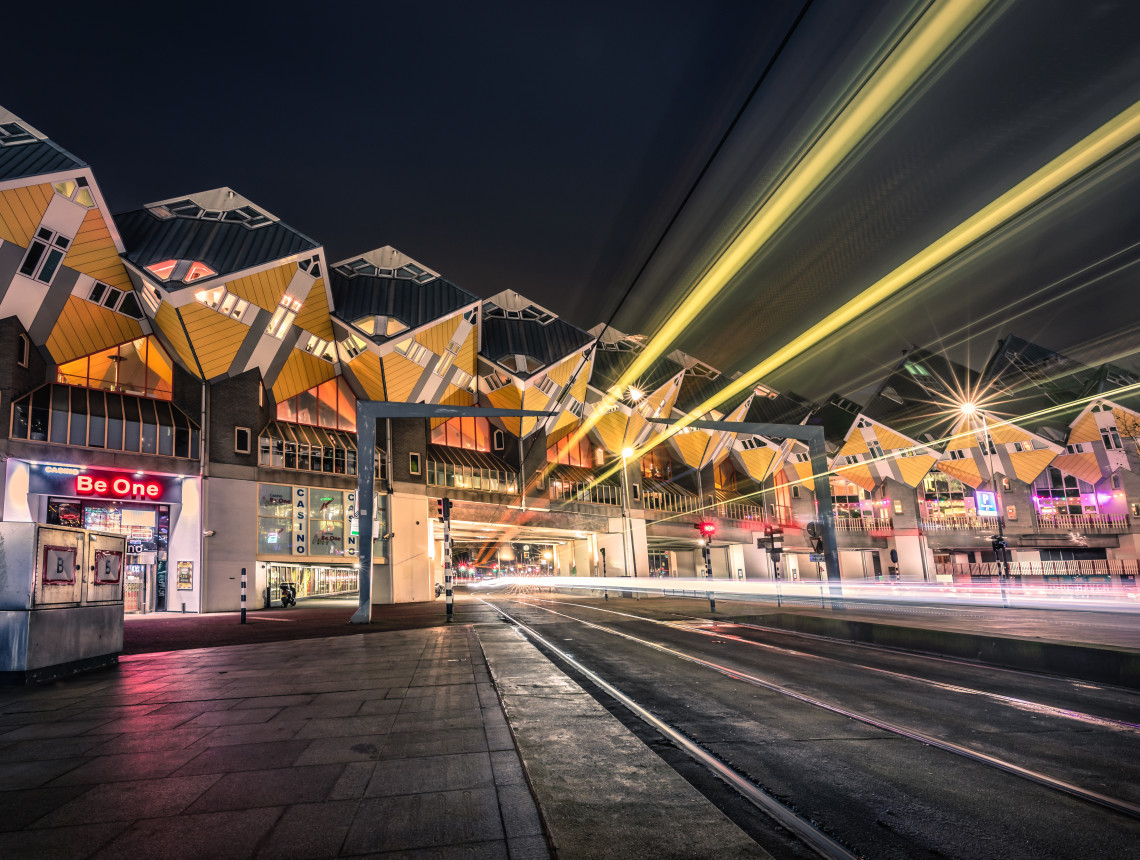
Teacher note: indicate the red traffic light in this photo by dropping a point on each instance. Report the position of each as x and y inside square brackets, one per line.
[706, 528]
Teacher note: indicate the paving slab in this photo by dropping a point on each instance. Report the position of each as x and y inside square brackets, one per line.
[602, 792]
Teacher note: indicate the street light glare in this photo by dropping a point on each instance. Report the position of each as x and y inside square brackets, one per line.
[627, 452]
[968, 408]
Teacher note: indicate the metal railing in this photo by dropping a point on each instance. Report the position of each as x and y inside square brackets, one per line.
[958, 524]
[740, 511]
[861, 524]
[674, 503]
[573, 491]
[1085, 523]
[469, 478]
[1088, 567]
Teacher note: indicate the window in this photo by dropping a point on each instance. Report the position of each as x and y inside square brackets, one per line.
[795, 491]
[12, 134]
[875, 448]
[247, 216]
[957, 454]
[413, 463]
[1116, 482]
[320, 348]
[562, 451]
[283, 317]
[1111, 438]
[498, 440]
[77, 190]
[138, 367]
[23, 347]
[546, 385]
[331, 404]
[531, 312]
[309, 449]
[1075, 449]
[241, 440]
[472, 433]
[352, 347]
[93, 418]
[45, 252]
[162, 270]
[413, 351]
[197, 272]
[119, 301]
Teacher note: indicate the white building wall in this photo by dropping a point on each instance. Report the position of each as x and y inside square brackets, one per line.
[231, 513]
[409, 576]
[186, 545]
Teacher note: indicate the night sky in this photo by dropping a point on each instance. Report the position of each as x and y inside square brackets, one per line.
[544, 148]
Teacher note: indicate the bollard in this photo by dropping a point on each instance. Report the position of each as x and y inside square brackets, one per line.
[243, 595]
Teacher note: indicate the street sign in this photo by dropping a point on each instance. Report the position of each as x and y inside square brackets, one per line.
[816, 557]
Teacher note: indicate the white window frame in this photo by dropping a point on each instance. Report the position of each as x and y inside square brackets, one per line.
[24, 345]
[248, 440]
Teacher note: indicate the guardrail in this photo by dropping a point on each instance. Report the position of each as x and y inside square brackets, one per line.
[468, 478]
[598, 494]
[1086, 523]
[1088, 567]
[861, 524]
[958, 524]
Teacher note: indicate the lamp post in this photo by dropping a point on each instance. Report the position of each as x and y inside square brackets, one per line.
[998, 542]
[626, 453]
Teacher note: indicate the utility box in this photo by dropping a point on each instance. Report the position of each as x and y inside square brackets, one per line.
[61, 601]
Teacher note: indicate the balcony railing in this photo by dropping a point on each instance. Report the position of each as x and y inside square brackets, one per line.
[572, 491]
[671, 503]
[861, 524]
[958, 524]
[469, 478]
[1088, 567]
[740, 511]
[1085, 523]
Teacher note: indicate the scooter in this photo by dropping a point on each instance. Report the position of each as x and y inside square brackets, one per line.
[438, 589]
[288, 594]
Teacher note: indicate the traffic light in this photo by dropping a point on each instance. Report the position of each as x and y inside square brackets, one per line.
[998, 543]
[815, 535]
[707, 529]
[443, 509]
[775, 537]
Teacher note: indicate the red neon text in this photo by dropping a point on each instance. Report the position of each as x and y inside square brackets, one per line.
[85, 485]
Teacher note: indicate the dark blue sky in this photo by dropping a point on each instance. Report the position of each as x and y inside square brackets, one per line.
[544, 147]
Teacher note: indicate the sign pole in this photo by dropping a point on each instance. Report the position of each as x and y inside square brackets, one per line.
[243, 595]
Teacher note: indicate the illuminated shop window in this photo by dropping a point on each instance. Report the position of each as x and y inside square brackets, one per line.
[140, 367]
[111, 421]
[45, 252]
[472, 433]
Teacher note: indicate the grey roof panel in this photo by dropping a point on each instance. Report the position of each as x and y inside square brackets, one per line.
[224, 247]
[412, 303]
[503, 338]
[35, 159]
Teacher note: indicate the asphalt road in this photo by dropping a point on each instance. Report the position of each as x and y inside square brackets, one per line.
[882, 794]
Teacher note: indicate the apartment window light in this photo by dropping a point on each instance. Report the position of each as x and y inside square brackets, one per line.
[445, 362]
[353, 346]
[282, 318]
[413, 350]
[75, 189]
[223, 301]
[197, 272]
[320, 348]
[162, 270]
[45, 252]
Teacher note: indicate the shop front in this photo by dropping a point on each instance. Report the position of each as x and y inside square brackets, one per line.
[307, 536]
[140, 506]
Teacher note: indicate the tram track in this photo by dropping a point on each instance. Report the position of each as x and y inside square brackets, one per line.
[742, 782]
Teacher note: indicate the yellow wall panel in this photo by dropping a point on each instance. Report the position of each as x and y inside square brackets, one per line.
[965, 471]
[83, 328]
[960, 437]
[1084, 430]
[314, 314]
[560, 373]
[693, 447]
[563, 427]
[1005, 434]
[536, 400]
[454, 396]
[889, 440]
[1127, 422]
[21, 210]
[507, 397]
[216, 338]
[804, 473]
[757, 461]
[439, 335]
[264, 289]
[167, 321]
[860, 475]
[855, 444]
[93, 252]
[366, 369]
[400, 376]
[610, 431]
[914, 469]
[1027, 465]
[301, 372]
[1083, 466]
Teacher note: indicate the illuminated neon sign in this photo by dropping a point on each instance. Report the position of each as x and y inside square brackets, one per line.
[90, 485]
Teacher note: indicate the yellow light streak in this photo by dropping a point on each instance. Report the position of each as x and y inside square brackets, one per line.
[1118, 132]
[938, 28]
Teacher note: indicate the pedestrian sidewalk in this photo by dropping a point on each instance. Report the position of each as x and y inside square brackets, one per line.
[385, 744]
[392, 745]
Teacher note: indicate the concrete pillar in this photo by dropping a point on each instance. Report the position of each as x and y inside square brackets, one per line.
[916, 561]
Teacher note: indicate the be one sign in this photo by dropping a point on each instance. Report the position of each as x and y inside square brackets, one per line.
[89, 485]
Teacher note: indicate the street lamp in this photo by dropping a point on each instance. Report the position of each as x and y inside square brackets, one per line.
[968, 410]
[626, 454]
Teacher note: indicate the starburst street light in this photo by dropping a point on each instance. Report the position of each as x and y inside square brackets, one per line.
[969, 409]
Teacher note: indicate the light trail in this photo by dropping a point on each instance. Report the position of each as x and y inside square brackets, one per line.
[938, 28]
[812, 592]
[1119, 132]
